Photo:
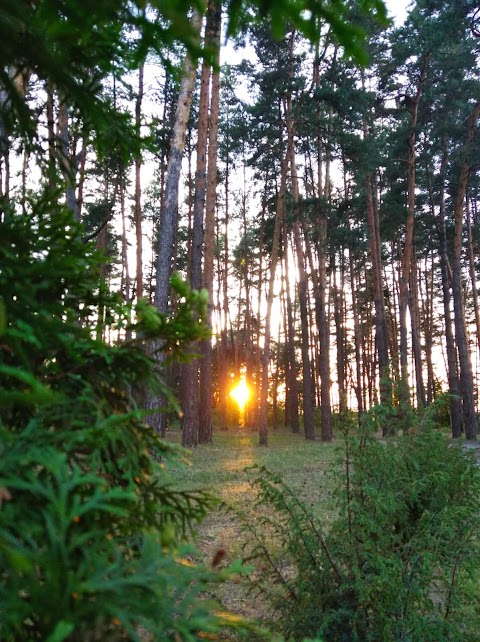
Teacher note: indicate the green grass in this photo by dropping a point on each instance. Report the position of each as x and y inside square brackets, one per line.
[220, 468]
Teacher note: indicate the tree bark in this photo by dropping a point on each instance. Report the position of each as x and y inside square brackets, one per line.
[291, 401]
[472, 270]
[406, 254]
[280, 212]
[137, 215]
[168, 219]
[67, 163]
[415, 324]
[466, 375]
[381, 330]
[456, 422]
[223, 366]
[206, 380]
[190, 375]
[308, 425]
[357, 341]
[338, 315]
[323, 331]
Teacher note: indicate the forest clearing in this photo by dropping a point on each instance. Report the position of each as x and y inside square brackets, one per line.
[307, 469]
[244, 233]
[222, 470]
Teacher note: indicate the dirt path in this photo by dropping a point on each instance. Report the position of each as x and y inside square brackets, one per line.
[220, 535]
[220, 468]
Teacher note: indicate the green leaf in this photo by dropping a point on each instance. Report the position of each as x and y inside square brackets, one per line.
[18, 560]
[38, 393]
[3, 316]
[61, 632]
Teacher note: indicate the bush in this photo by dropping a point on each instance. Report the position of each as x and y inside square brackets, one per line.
[399, 562]
[90, 535]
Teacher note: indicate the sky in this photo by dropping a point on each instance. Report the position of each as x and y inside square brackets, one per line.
[397, 9]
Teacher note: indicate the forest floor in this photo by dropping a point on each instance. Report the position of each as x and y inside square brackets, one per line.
[220, 468]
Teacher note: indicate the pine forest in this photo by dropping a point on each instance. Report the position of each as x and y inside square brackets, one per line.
[226, 226]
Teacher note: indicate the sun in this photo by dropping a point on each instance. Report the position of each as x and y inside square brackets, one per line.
[241, 393]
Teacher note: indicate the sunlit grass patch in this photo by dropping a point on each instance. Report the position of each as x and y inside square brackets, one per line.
[220, 466]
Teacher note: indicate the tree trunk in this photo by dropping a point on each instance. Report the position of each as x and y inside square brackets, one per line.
[357, 341]
[223, 369]
[427, 299]
[206, 380]
[466, 375]
[291, 401]
[338, 309]
[258, 358]
[406, 254]
[67, 163]
[168, 219]
[323, 331]
[308, 425]
[415, 323]
[50, 109]
[381, 330]
[473, 275]
[191, 399]
[137, 215]
[453, 381]
[263, 411]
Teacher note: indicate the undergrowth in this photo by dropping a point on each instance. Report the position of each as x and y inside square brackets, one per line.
[400, 561]
[91, 533]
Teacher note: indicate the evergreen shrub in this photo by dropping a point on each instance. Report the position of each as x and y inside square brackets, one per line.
[400, 560]
[90, 534]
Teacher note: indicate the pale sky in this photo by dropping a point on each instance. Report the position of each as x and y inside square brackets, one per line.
[397, 9]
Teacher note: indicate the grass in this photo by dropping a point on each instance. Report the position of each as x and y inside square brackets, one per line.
[220, 468]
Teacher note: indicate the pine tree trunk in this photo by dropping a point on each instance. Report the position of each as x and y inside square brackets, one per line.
[275, 383]
[323, 331]
[206, 379]
[415, 324]
[473, 275]
[125, 276]
[263, 410]
[50, 109]
[338, 307]
[223, 369]
[291, 402]
[258, 357]
[466, 375]
[67, 163]
[407, 253]
[247, 333]
[313, 350]
[427, 298]
[391, 309]
[168, 219]
[308, 425]
[137, 215]
[381, 330]
[357, 341]
[456, 422]
[190, 371]
[81, 177]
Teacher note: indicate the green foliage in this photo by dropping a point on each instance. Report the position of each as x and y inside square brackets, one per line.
[75, 45]
[400, 560]
[90, 531]
[307, 16]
